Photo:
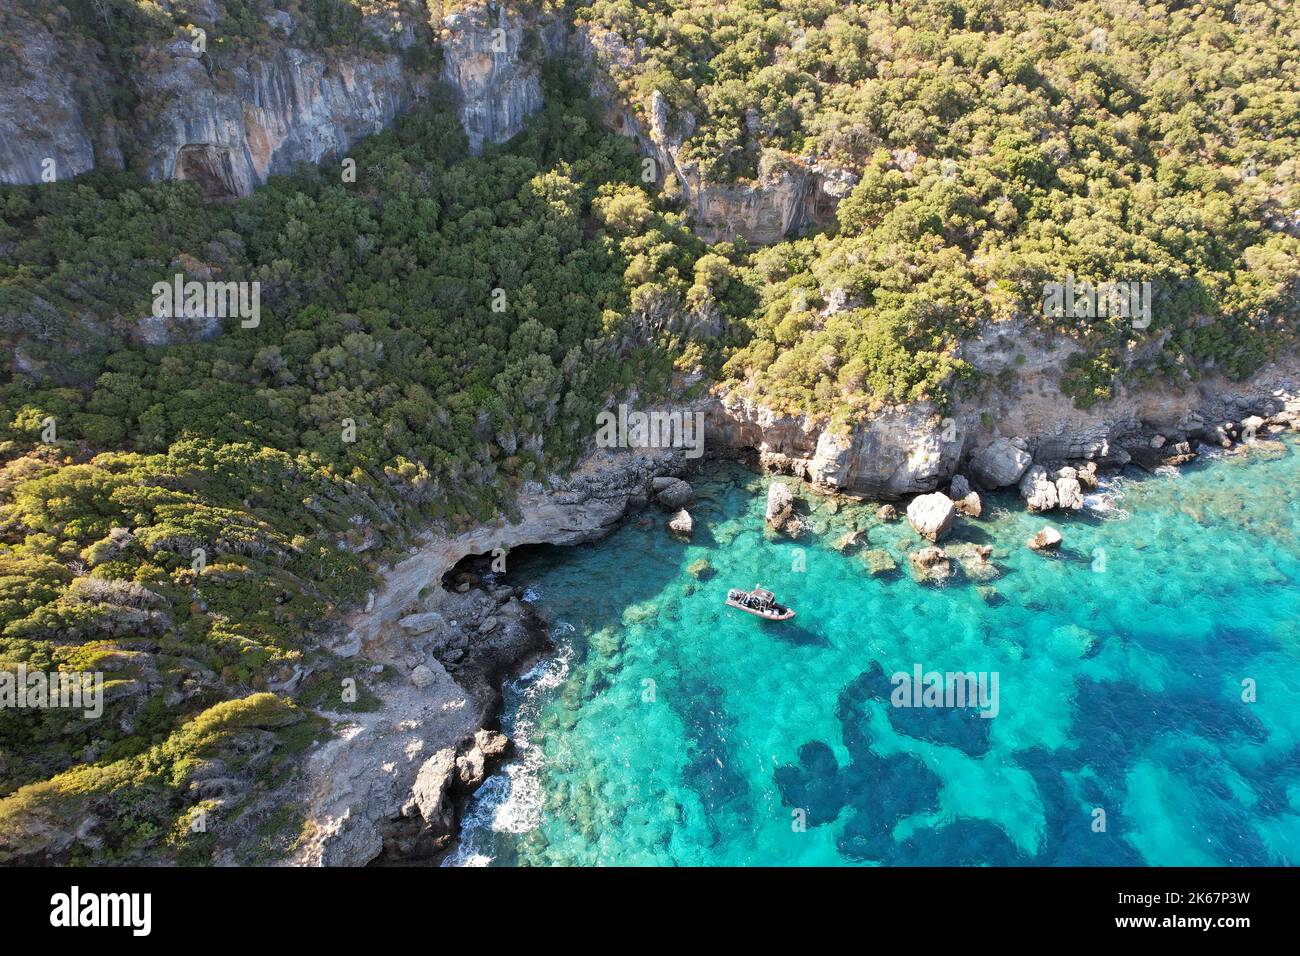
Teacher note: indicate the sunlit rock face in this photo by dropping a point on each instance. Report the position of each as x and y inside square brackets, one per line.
[789, 195]
[225, 120]
[228, 120]
[491, 58]
[267, 114]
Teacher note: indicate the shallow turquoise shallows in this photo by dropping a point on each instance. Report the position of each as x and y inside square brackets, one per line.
[1148, 688]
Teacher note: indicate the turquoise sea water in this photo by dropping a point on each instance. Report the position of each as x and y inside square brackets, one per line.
[669, 729]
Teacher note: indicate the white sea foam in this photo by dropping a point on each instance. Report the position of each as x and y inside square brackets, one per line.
[511, 800]
[1104, 502]
[531, 594]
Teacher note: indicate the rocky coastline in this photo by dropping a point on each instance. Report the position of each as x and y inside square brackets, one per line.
[390, 785]
[445, 630]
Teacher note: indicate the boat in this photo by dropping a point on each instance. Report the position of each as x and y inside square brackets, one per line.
[759, 602]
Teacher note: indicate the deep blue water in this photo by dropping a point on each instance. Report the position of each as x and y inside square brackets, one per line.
[671, 730]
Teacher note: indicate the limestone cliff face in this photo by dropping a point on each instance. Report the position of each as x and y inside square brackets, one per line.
[42, 125]
[224, 119]
[911, 449]
[905, 450]
[491, 55]
[228, 120]
[1033, 406]
[789, 195]
[230, 133]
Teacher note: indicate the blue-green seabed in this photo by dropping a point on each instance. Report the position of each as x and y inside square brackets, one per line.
[671, 730]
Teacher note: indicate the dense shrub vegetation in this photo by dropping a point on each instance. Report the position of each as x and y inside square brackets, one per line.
[381, 321]
[188, 507]
[1001, 145]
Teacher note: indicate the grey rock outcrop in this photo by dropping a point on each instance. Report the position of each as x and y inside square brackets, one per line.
[1000, 463]
[788, 195]
[675, 494]
[41, 113]
[1038, 490]
[421, 623]
[780, 505]
[1042, 492]
[903, 450]
[497, 85]
[1069, 493]
[931, 515]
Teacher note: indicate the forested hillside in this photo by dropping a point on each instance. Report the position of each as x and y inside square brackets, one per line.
[189, 506]
[430, 336]
[1001, 145]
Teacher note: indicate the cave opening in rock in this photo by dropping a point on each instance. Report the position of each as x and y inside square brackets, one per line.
[208, 166]
[474, 570]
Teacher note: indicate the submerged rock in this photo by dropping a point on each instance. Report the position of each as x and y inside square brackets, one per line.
[974, 561]
[878, 561]
[931, 515]
[780, 505]
[847, 541]
[930, 565]
[1049, 539]
[701, 570]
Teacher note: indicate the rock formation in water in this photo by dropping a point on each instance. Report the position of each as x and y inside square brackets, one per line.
[931, 515]
[780, 505]
[1048, 539]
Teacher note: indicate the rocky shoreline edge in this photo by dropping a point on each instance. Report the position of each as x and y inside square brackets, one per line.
[391, 786]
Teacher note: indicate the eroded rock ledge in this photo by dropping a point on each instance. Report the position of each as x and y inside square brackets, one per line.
[995, 437]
